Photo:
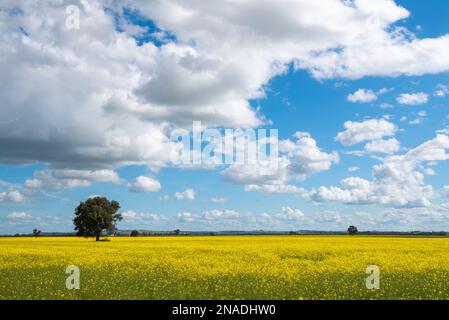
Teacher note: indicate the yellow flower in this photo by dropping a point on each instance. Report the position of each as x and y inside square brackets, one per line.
[263, 267]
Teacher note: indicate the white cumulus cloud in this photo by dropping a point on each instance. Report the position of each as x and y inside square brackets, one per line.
[188, 194]
[297, 161]
[399, 181]
[97, 99]
[19, 216]
[369, 130]
[413, 99]
[144, 184]
[362, 96]
[14, 196]
[291, 214]
[383, 146]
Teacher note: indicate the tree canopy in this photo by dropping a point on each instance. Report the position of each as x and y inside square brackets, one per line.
[352, 230]
[96, 215]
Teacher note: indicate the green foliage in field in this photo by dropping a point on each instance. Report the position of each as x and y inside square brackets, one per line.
[277, 267]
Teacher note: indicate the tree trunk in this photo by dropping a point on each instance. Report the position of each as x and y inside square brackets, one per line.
[98, 238]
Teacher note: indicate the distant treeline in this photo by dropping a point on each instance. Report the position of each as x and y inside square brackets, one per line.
[146, 233]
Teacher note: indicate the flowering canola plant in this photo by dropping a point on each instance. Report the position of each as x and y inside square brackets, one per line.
[231, 267]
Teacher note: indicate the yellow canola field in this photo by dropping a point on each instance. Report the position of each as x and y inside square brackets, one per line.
[215, 267]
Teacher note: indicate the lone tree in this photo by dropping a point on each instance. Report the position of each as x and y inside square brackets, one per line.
[95, 215]
[352, 230]
[36, 232]
[134, 233]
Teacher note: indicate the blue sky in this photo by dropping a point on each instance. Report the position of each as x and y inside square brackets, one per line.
[87, 112]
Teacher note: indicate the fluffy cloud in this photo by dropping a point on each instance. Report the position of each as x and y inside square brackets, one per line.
[188, 194]
[329, 218]
[33, 184]
[362, 96]
[383, 146]
[218, 200]
[221, 219]
[144, 184]
[413, 99]
[186, 216]
[297, 160]
[357, 132]
[442, 91]
[305, 157]
[133, 217]
[60, 179]
[386, 106]
[419, 119]
[19, 216]
[275, 188]
[422, 218]
[14, 196]
[95, 98]
[446, 190]
[273, 172]
[351, 33]
[291, 214]
[217, 218]
[219, 214]
[64, 116]
[398, 181]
